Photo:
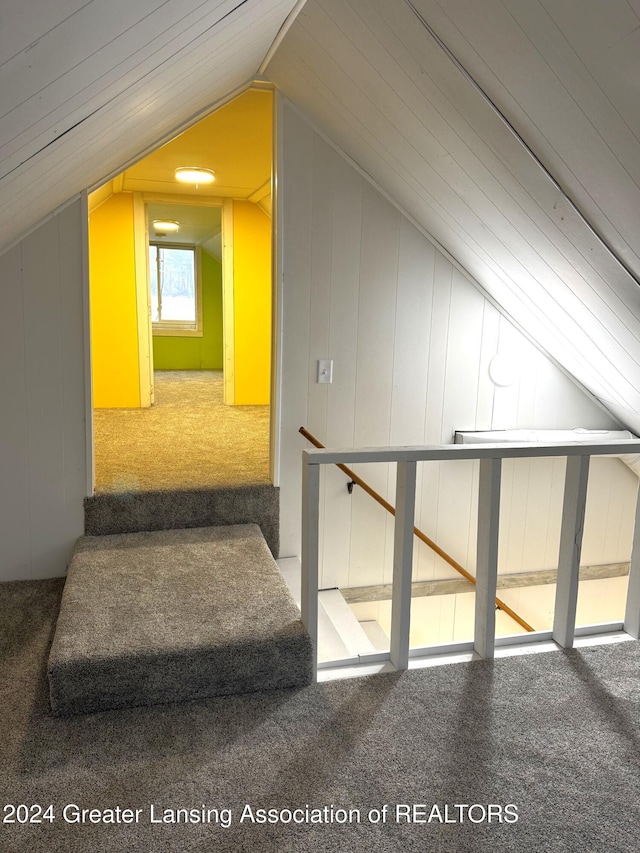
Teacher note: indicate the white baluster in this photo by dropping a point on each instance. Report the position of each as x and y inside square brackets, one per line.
[632, 611]
[310, 526]
[487, 556]
[402, 563]
[573, 509]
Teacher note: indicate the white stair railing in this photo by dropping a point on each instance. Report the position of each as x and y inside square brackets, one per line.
[490, 456]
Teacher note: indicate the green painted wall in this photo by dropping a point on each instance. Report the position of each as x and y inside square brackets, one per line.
[205, 353]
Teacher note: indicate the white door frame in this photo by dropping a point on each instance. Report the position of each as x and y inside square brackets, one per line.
[277, 286]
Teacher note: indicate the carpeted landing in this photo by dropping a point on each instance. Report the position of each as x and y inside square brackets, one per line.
[557, 735]
[173, 615]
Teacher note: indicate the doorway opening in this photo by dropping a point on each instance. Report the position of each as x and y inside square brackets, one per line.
[181, 310]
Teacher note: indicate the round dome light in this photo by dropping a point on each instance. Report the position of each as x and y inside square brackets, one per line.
[166, 224]
[195, 175]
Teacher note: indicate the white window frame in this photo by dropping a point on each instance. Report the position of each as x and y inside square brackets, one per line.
[182, 328]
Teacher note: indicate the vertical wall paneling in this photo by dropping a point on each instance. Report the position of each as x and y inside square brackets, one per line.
[429, 473]
[611, 489]
[535, 532]
[371, 529]
[296, 188]
[488, 349]
[412, 341]
[554, 510]
[43, 383]
[459, 406]
[45, 404]
[416, 261]
[320, 285]
[343, 347]
[412, 336]
[434, 428]
[72, 224]
[345, 295]
[320, 301]
[15, 548]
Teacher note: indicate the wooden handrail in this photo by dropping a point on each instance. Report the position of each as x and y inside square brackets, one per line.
[421, 536]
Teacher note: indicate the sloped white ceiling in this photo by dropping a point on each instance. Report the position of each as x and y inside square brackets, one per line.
[565, 74]
[86, 86]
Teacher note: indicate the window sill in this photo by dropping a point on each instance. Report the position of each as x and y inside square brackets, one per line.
[180, 333]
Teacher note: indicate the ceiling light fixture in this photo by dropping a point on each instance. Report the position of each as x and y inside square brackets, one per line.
[195, 175]
[166, 225]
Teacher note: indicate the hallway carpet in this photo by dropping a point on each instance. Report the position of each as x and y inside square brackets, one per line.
[556, 735]
[187, 439]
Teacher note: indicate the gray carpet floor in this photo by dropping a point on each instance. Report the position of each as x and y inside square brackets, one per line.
[187, 439]
[556, 734]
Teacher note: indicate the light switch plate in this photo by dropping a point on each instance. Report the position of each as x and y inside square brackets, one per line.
[325, 370]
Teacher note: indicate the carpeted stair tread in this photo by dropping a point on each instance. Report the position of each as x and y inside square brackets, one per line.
[166, 616]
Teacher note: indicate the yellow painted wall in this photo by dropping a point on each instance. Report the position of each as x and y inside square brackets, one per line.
[252, 304]
[114, 321]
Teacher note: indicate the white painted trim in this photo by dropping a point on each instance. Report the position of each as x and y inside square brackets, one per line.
[462, 652]
[284, 29]
[164, 332]
[182, 328]
[228, 311]
[261, 192]
[434, 453]
[183, 198]
[105, 192]
[145, 357]
[578, 457]
[277, 290]
[309, 580]
[88, 373]
[199, 297]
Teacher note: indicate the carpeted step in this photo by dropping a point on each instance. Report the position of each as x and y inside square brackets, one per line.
[130, 512]
[167, 616]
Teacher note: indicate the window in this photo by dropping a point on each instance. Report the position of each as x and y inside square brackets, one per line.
[176, 290]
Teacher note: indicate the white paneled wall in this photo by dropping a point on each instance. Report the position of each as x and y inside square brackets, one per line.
[411, 339]
[42, 388]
